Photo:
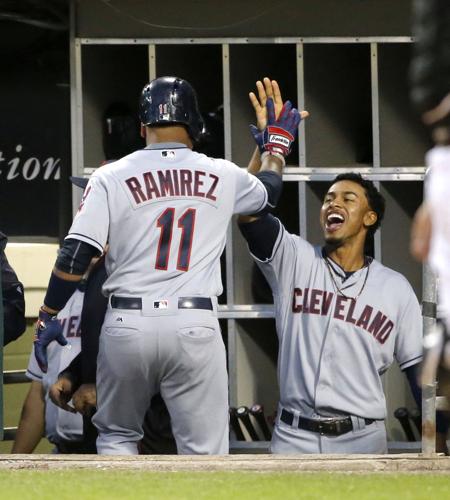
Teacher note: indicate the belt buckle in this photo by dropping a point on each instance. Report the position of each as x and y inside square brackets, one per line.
[342, 426]
[161, 304]
[320, 427]
[328, 426]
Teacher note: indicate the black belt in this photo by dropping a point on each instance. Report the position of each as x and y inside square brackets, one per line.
[332, 427]
[183, 303]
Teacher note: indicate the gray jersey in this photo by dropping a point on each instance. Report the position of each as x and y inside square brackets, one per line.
[164, 211]
[61, 424]
[332, 348]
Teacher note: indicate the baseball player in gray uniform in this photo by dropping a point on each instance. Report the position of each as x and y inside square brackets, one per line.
[62, 428]
[341, 318]
[164, 211]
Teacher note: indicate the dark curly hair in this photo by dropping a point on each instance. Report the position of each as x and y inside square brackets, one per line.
[374, 197]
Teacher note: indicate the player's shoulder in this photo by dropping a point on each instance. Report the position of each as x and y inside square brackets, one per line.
[226, 165]
[114, 169]
[302, 247]
[390, 278]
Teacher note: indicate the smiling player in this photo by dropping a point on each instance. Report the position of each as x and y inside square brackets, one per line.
[341, 318]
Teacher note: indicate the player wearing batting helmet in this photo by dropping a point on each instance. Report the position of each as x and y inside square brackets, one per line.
[341, 318]
[164, 211]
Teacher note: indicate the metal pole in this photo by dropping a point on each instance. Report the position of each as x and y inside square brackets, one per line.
[301, 142]
[429, 419]
[231, 323]
[76, 107]
[429, 298]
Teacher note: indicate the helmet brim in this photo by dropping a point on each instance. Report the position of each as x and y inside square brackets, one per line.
[79, 181]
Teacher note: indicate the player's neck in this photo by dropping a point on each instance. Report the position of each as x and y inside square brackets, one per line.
[175, 133]
[348, 256]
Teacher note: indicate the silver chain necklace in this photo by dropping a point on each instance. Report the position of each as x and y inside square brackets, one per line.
[338, 290]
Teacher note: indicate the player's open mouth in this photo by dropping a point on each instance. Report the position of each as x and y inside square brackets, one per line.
[334, 221]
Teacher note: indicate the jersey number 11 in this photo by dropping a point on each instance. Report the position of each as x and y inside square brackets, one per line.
[186, 223]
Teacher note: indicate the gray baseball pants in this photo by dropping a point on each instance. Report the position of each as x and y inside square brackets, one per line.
[178, 352]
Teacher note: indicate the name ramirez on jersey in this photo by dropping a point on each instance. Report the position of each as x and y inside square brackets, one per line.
[157, 184]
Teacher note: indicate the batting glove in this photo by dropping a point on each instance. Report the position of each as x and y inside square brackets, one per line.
[48, 328]
[279, 134]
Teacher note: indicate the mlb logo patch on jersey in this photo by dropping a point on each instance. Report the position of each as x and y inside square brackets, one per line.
[168, 154]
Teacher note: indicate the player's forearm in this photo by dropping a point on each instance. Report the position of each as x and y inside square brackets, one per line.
[270, 163]
[255, 162]
[60, 288]
[273, 163]
[32, 421]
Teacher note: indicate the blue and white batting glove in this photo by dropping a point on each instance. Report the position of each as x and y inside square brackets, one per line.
[48, 328]
[280, 133]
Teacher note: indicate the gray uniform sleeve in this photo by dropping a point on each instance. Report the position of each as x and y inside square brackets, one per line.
[91, 223]
[409, 343]
[251, 195]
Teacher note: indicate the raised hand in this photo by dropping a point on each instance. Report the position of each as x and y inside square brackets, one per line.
[280, 133]
[266, 89]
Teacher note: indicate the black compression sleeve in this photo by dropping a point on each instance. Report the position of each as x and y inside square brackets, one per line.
[274, 185]
[59, 292]
[75, 256]
[92, 316]
[261, 235]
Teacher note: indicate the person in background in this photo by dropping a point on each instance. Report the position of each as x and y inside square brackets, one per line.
[39, 415]
[430, 233]
[14, 323]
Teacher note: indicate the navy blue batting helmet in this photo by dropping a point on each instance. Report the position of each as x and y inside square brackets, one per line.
[169, 100]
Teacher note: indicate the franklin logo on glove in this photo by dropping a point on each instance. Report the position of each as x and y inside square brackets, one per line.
[275, 137]
[278, 137]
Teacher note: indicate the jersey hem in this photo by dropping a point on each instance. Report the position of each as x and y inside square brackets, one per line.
[85, 239]
[411, 362]
[33, 376]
